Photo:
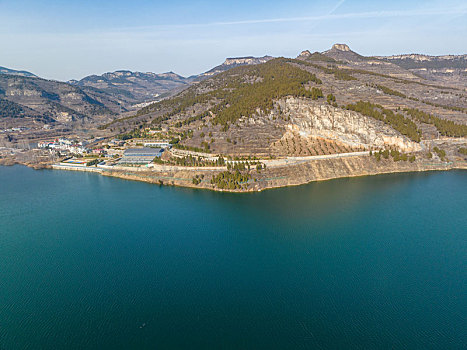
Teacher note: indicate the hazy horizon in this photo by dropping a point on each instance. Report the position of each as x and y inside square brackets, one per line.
[64, 41]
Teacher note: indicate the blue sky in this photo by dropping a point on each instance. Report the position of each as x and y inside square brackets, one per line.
[71, 39]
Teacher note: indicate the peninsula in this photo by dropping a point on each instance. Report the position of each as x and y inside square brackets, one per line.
[249, 124]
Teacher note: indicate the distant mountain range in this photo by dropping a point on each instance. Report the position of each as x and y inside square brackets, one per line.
[417, 61]
[447, 68]
[441, 68]
[95, 97]
[51, 101]
[100, 97]
[134, 87]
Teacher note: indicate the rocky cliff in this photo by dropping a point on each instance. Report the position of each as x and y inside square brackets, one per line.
[232, 62]
[310, 119]
[246, 60]
[341, 47]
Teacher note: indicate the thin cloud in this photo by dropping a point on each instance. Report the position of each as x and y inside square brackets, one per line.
[330, 16]
[334, 9]
[339, 4]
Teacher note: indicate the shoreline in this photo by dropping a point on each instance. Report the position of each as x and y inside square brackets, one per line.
[276, 177]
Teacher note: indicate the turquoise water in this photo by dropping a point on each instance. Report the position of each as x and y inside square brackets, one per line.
[89, 262]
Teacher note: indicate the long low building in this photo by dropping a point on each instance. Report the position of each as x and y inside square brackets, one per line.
[159, 144]
[140, 155]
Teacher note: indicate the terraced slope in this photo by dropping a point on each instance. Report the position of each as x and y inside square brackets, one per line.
[319, 103]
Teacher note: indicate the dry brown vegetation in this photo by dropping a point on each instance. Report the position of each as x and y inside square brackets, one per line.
[295, 145]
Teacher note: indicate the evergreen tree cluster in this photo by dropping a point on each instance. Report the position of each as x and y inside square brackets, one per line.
[277, 79]
[241, 91]
[396, 155]
[191, 161]
[440, 152]
[197, 179]
[397, 121]
[332, 100]
[244, 165]
[445, 127]
[230, 180]
[340, 74]
[10, 109]
[389, 91]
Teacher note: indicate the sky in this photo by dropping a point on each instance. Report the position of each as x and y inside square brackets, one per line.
[67, 39]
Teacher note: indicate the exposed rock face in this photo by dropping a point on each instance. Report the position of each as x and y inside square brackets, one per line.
[341, 47]
[342, 52]
[233, 62]
[292, 175]
[246, 60]
[448, 68]
[419, 57]
[318, 120]
[304, 54]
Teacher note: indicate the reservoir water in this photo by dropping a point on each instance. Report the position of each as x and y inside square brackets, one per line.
[91, 262]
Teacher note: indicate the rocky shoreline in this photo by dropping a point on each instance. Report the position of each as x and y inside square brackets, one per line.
[295, 175]
[292, 175]
[34, 165]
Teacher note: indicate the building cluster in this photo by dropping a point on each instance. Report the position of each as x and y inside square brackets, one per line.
[116, 152]
[64, 145]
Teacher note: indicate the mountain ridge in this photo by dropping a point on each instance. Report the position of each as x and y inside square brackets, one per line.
[122, 91]
[23, 73]
[285, 107]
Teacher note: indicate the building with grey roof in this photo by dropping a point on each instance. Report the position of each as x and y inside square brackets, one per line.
[140, 155]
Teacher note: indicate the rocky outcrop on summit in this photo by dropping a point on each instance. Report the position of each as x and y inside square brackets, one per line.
[341, 47]
[237, 61]
[232, 62]
[311, 119]
[304, 54]
[342, 52]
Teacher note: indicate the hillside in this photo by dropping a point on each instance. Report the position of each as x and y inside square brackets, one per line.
[29, 101]
[135, 87]
[51, 101]
[232, 62]
[447, 68]
[23, 73]
[319, 103]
